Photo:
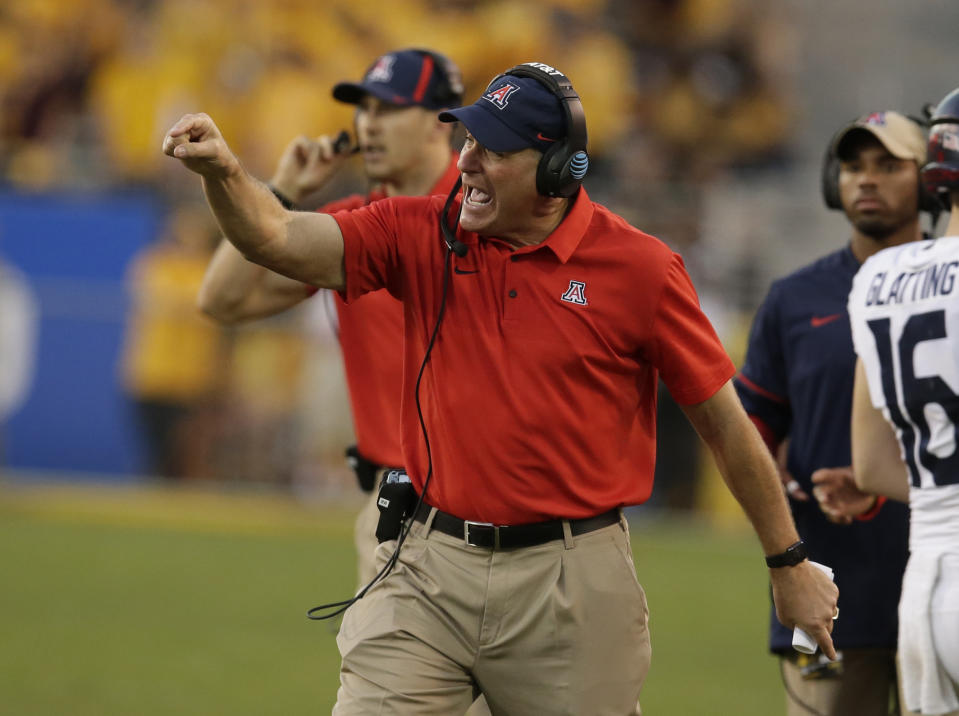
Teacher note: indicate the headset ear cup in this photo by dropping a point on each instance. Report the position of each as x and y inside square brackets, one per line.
[830, 181]
[560, 171]
[549, 172]
[929, 202]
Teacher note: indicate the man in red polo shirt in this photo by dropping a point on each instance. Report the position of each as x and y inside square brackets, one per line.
[406, 152]
[529, 424]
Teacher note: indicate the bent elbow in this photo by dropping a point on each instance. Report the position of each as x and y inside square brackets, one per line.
[219, 309]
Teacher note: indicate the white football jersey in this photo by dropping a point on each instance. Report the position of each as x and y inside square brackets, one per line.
[904, 313]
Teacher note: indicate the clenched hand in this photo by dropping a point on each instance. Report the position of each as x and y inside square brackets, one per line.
[196, 141]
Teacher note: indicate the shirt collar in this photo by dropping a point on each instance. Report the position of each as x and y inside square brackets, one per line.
[567, 236]
[849, 258]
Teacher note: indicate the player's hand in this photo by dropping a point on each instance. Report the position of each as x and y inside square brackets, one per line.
[807, 598]
[307, 164]
[196, 141]
[839, 498]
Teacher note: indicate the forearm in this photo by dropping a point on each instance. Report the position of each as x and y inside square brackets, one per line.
[803, 596]
[753, 479]
[875, 449]
[304, 246]
[249, 216]
[229, 281]
[236, 290]
[747, 467]
[889, 478]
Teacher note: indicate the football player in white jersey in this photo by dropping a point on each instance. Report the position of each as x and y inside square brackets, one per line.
[904, 312]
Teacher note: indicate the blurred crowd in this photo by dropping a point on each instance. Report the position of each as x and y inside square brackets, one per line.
[677, 93]
[89, 86]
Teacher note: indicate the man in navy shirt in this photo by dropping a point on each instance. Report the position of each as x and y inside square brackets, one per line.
[796, 385]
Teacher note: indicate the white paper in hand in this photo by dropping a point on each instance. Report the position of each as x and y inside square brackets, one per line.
[801, 640]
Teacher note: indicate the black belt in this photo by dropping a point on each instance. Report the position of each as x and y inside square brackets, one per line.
[484, 534]
[366, 470]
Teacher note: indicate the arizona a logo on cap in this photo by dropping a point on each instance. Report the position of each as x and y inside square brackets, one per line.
[382, 71]
[875, 119]
[499, 97]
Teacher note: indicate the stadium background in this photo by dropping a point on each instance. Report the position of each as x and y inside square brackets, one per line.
[707, 121]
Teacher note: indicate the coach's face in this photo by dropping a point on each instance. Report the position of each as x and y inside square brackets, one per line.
[499, 193]
[879, 192]
[392, 138]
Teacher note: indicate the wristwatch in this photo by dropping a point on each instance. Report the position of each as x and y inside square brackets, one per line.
[794, 554]
[286, 201]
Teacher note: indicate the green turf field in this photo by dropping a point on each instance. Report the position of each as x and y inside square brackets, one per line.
[161, 602]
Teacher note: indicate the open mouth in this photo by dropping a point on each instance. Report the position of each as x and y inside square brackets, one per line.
[477, 197]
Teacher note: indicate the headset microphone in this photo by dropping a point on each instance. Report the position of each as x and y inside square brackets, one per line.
[457, 247]
[449, 235]
[343, 145]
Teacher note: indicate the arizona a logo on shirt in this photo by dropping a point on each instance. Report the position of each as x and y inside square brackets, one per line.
[576, 293]
[499, 97]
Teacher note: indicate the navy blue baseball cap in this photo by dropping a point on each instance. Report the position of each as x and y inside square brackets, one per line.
[409, 77]
[513, 113]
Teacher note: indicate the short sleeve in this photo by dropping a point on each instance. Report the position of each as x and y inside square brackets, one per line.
[687, 352]
[762, 384]
[370, 253]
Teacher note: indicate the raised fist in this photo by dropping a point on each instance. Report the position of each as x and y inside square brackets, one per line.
[196, 141]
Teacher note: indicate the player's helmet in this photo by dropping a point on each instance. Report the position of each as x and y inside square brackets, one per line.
[941, 174]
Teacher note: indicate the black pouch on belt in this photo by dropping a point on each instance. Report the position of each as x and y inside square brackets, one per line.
[365, 469]
[395, 502]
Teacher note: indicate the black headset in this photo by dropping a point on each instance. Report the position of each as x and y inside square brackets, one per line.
[565, 163]
[830, 177]
[449, 92]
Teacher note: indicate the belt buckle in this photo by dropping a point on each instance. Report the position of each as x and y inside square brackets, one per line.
[466, 532]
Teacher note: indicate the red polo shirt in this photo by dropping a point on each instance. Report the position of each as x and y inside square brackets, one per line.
[540, 395]
[371, 338]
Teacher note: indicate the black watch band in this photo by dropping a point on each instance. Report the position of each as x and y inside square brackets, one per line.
[282, 198]
[794, 554]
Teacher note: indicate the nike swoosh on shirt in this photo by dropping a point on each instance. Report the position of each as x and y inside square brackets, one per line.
[539, 136]
[457, 269]
[817, 321]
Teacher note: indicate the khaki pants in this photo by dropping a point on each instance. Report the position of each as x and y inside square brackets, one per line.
[364, 538]
[865, 687]
[559, 628]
